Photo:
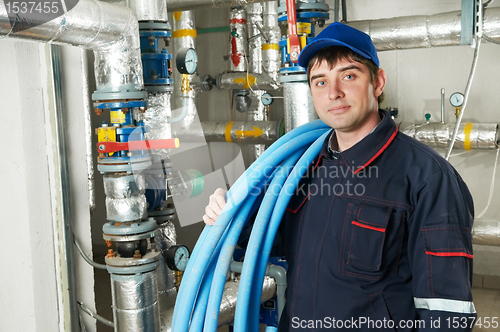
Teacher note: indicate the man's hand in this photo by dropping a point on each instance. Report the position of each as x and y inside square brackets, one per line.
[215, 205]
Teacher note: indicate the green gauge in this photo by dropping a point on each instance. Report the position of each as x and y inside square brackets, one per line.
[177, 257]
[457, 99]
[186, 60]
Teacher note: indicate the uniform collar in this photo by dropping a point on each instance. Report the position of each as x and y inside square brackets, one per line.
[363, 153]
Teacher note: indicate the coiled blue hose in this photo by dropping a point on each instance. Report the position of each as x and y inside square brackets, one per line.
[194, 284]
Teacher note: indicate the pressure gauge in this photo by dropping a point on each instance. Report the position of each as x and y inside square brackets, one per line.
[457, 99]
[186, 60]
[266, 99]
[177, 257]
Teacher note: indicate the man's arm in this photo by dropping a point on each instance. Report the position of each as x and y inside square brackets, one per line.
[440, 253]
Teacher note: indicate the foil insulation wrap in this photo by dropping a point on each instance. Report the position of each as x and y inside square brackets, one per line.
[156, 117]
[469, 136]
[183, 35]
[216, 131]
[486, 232]
[244, 81]
[199, 4]
[149, 10]
[239, 46]
[125, 199]
[112, 31]
[254, 21]
[135, 302]
[271, 57]
[298, 105]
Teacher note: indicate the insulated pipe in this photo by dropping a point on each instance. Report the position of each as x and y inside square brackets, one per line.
[244, 81]
[469, 136]
[183, 36]
[149, 10]
[424, 31]
[255, 38]
[228, 304]
[298, 104]
[486, 232]
[271, 58]
[249, 132]
[202, 4]
[239, 40]
[110, 30]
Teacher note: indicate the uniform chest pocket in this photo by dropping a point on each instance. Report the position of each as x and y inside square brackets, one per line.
[372, 241]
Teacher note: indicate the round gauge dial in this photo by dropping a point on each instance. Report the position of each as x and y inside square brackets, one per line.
[186, 61]
[177, 257]
[457, 99]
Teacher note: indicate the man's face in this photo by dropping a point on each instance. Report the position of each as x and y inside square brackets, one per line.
[345, 97]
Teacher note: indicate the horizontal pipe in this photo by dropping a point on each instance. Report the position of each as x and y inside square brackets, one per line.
[112, 31]
[248, 132]
[409, 32]
[228, 304]
[246, 81]
[178, 5]
[470, 135]
[486, 232]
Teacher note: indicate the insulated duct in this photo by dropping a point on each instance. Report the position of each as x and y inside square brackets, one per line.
[297, 99]
[228, 304]
[110, 30]
[469, 136]
[424, 31]
[249, 132]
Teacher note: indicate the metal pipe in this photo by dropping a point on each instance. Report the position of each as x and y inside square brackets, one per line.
[86, 258]
[110, 30]
[228, 304]
[442, 105]
[149, 10]
[201, 4]
[298, 104]
[249, 132]
[424, 31]
[65, 188]
[183, 35]
[278, 273]
[486, 232]
[254, 21]
[470, 135]
[271, 58]
[96, 316]
[239, 40]
[245, 81]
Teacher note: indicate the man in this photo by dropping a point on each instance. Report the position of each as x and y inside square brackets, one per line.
[378, 234]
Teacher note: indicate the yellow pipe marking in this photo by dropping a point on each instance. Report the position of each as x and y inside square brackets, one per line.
[256, 132]
[184, 33]
[467, 131]
[247, 81]
[177, 15]
[227, 133]
[266, 47]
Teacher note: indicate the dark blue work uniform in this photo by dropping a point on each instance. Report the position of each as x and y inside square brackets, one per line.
[378, 237]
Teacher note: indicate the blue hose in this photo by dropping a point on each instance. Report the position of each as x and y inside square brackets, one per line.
[279, 209]
[253, 179]
[217, 287]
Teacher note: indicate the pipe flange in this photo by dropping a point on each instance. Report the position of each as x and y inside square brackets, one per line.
[206, 82]
[218, 82]
[126, 93]
[130, 231]
[159, 88]
[155, 26]
[120, 265]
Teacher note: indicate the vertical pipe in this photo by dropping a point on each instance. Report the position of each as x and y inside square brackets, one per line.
[271, 58]
[183, 35]
[239, 37]
[442, 105]
[65, 187]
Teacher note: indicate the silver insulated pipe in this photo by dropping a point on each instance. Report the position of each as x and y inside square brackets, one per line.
[239, 40]
[149, 10]
[200, 4]
[271, 58]
[110, 30]
[469, 136]
[424, 31]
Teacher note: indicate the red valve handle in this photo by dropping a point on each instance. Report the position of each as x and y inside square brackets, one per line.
[108, 147]
[292, 31]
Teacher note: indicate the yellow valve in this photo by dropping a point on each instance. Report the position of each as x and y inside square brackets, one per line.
[457, 111]
[178, 278]
[185, 87]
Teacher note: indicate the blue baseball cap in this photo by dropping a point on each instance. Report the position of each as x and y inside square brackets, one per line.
[338, 34]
